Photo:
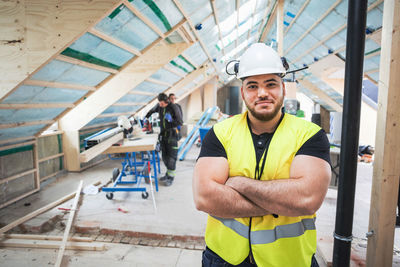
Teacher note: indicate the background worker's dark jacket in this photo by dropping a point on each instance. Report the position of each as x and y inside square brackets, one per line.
[176, 115]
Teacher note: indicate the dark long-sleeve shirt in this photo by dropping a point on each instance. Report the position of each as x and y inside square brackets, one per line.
[171, 109]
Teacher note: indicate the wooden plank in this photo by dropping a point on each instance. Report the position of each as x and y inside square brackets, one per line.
[13, 140]
[108, 115]
[297, 15]
[69, 224]
[51, 157]
[309, 29]
[36, 31]
[17, 145]
[385, 181]
[59, 85]
[174, 71]
[85, 64]
[146, 142]
[214, 10]
[22, 124]
[182, 10]
[123, 104]
[42, 179]
[52, 244]
[322, 95]
[135, 92]
[48, 133]
[115, 42]
[279, 26]
[96, 150]
[158, 82]
[46, 237]
[143, 18]
[36, 105]
[270, 22]
[36, 212]
[16, 176]
[71, 148]
[182, 33]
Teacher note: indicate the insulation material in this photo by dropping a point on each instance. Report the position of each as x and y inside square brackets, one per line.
[374, 17]
[371, 47]
[182, 64]
[195, 53]
[291, 9]
[246, 11]
[226, 11]
[174, 38]
[136, 98]
[103, 120]
[197, 10]
[38, 94]
[372, 63]
[27, 131]
[126, 27]
[151, 87]
[27, 115]
[58, 71]
[120, 109]
[164, 14]
[90, 45]
[166, 76]
[374, 76]
[262, 4]
[178, 67]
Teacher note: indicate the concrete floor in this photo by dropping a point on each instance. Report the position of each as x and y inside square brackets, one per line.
[141, 237]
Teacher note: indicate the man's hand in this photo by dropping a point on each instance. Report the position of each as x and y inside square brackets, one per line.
[168, 117]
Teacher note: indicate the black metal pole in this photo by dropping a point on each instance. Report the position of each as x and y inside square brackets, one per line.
[356, 20]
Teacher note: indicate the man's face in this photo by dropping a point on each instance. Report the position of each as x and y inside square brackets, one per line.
[263, 95]
[162, 103]
[172, 99]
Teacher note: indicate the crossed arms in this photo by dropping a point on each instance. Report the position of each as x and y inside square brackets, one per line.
[233, 197]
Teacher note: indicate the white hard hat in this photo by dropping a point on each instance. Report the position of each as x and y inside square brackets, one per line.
[260, 59]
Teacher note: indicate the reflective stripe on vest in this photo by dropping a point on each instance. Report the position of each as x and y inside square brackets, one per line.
[269, 236]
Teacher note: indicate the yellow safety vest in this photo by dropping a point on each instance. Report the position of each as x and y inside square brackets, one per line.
[283, 241]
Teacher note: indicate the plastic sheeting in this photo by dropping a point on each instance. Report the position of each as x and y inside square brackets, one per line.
[166, 76]
[38, 94]
[59, 71]
[24, 131]
[27, 115]
[150, 87]
[128, 28]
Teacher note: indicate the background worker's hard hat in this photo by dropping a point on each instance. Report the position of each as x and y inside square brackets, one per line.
[260, 59]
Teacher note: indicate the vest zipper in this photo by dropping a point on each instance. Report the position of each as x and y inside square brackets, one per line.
[250, 252]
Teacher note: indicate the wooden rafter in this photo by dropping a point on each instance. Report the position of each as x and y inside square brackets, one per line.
[270, 22]
[182, 35]
[59, 85]
[174, 71]
[309, 29]
[214, 11]
[135, 92]
[297, 15]
[23, 124]
[159, 82]
[108, 115]
[36, 105]
[178, 4]
[123, 104]
[114, 41]
[142, 17]
[85, 64]
[321, 94]
[371, 71]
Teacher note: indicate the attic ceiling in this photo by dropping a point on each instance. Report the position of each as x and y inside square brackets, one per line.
[203, 35]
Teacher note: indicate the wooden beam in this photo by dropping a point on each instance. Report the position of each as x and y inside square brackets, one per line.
[179, 85]
[158, 82]
[143, 18]
[385, 181]
[85, 64]
[17, 145]
[370, 78]
[297, 15]
[174, 71]
[23, 124]
[35, 32]
[179, 6]
[96, 150]
[129, 77]
[183, 36]
[114, 41]
[270, 22]
[69, 224]
[35, 213]
[206, 79]
[371, 71]
[279, 26]
[189, 31]
[52, 244]
[188, 58]
[13, 140]
[36, 164]
[373, 54]
[125, 104]
[309, 29]
[109, 115]
[322, 95]
[214, 10]
[36, 105]
[46, 237]
[136, 92]
[59, 85]
[55, 156]
[16, 176]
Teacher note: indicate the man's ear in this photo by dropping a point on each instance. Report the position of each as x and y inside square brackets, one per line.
[241, 92]
[283, 88]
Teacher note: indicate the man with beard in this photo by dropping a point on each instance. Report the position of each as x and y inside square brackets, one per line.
[261, 175]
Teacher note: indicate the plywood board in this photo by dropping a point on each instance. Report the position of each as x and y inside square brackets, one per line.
[51, 244]
[138, 143]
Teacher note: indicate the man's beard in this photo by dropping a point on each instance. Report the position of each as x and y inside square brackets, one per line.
[266, 116]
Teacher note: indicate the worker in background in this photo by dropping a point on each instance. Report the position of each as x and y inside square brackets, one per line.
[170, 119]
[172, 99]
[261, 175]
